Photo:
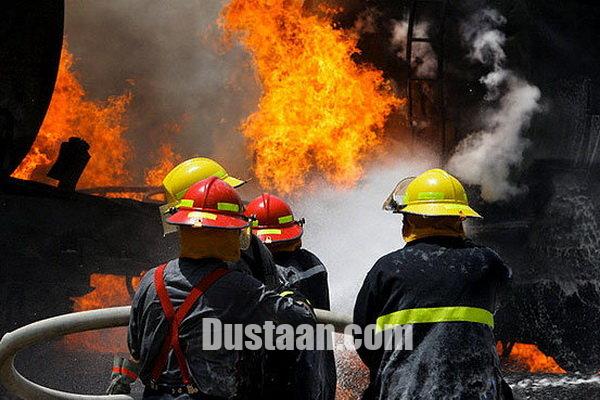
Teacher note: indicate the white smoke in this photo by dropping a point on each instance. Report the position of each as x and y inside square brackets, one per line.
[485, 157]
[349, 231]
[424, 59]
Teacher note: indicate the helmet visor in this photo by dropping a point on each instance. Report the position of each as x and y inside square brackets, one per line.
[166, 210]
[395, 201]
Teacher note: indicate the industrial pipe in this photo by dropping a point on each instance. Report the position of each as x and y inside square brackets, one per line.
[51, 328]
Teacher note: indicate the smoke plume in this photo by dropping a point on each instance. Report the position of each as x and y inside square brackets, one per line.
[486, 157]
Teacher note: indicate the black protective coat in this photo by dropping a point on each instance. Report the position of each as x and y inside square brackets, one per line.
[306, 273]
[449, 360]
[236, 298]
[305, 375]
[258, 262]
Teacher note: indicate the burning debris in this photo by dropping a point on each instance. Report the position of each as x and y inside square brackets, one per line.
[521, 357]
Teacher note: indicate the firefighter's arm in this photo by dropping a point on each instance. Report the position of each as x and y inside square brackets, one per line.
[366, 311]
[500, 270]
[282, 306]
[125, 370]
[124, 373]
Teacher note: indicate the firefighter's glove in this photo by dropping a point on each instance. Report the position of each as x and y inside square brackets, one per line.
[124, 373]
[296, 296]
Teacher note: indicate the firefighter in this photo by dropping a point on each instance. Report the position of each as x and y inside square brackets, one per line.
[274, 224]
[165, 330]
[444, 287]
[255, 258]
[300, 375]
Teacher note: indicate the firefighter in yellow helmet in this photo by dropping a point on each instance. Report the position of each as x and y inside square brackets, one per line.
[255, 258]
[441, 286]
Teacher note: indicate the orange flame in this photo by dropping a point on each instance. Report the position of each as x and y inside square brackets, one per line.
[100, 123]
[319, 111]
[108, 291]
[530, 358]
[168, 158]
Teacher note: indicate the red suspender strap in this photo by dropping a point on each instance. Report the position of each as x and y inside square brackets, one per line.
[167, 306]
[175, 318]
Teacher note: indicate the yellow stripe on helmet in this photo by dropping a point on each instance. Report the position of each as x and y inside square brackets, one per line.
[185, 203]
[268, 232]
[228, 207]
[285, 219]
[202, 215]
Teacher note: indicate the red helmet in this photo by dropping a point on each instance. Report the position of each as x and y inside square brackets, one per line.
[210, 203]
[274, 221]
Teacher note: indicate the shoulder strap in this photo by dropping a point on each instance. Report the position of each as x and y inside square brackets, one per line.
[175, 318]
[161, 291]
[299, 276]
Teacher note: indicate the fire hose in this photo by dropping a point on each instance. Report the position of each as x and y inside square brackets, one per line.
[51, 328]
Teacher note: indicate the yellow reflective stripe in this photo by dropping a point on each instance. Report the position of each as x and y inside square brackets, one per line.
[268, 232]
[228, 207]
[286, 293]
[202, 214]
[432, 315]
[431, 196]
[185, 203]
[285, 219]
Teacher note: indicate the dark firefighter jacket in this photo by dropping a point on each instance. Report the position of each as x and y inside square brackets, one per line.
[449, 360]
[235, 298]
[258, 261]
[302, 270]
[302, 375]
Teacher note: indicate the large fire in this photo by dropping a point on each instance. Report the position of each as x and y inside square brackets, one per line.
[320, 112]
[103, 125]
[100, 123]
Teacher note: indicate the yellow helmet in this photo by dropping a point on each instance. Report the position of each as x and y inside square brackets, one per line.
[433, 193]
[180, 178]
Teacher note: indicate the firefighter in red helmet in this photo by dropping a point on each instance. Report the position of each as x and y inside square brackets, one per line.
[165, 330]
[255, 258]
[310, 374]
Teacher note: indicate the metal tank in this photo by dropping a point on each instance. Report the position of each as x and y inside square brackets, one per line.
[31, 34]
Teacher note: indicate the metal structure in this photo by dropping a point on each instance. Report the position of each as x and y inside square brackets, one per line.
[414, 82]
[31, 34]
[148, 192]
[51, 328]
[588, 148]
